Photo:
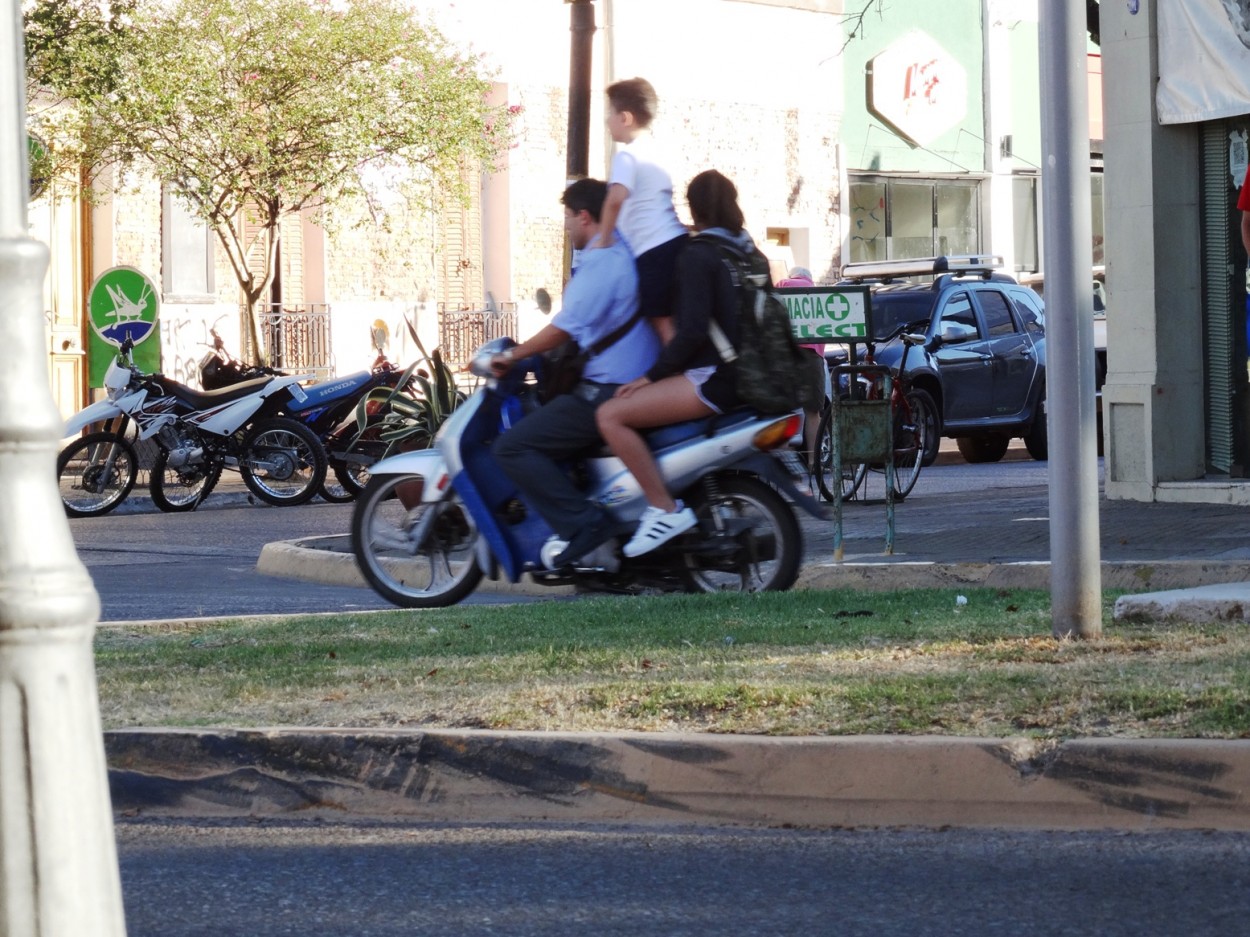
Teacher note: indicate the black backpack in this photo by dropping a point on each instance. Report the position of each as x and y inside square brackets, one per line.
[768, 363]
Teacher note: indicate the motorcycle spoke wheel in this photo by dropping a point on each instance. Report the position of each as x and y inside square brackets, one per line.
[336, 492]
[175, 490]
[352, 475]
[749, 539]
[96, 473]
[283, 462]
[852, 472]
[414, 554]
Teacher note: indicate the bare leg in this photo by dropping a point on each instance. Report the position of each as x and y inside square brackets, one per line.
[670, 400]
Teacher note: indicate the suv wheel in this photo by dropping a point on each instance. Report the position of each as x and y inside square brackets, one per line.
[978, 449]
[1037, 440]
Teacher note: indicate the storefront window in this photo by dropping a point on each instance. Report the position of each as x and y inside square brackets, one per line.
[893, 219]
[868, 221]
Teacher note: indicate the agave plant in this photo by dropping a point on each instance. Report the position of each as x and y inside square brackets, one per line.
[408, 416]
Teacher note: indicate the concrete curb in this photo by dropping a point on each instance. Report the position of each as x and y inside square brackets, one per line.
[328, 560]
[446, 775]
[1223, 602]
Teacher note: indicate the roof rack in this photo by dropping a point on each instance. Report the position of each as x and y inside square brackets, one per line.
[886, 270]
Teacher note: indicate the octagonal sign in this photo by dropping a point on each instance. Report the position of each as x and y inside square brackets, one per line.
[917, 88]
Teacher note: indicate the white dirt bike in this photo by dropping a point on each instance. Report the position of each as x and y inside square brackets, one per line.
[197, 434]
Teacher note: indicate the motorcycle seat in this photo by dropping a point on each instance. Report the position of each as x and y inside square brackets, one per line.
[202, 399]
[664, 437]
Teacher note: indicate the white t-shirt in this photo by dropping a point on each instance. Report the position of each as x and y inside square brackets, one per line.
[647, 218]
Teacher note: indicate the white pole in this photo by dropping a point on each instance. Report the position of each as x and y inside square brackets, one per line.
[58, 860]
[1075, 573]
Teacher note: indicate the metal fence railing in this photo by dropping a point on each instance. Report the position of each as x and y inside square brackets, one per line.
[297, 338]
[461, 331]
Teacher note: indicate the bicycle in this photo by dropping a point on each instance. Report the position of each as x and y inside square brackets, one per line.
[915, 424]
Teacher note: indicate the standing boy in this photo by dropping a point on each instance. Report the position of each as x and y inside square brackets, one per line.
[640, 200]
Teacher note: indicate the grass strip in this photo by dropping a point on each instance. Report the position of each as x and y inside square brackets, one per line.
[798, 663]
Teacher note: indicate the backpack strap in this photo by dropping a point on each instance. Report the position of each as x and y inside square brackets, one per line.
[730, 252]
[614, 336]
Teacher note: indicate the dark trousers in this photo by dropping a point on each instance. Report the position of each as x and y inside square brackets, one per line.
[528, 454]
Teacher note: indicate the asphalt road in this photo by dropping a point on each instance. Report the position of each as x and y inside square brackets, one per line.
[148, 565]
[275, 878]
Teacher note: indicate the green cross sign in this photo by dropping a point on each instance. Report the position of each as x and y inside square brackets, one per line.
[827, 314]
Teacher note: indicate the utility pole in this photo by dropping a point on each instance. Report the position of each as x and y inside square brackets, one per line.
[1075, 559]
[58, 860]
[582, 29]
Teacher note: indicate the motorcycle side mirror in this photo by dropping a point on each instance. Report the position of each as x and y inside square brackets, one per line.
[543, 298]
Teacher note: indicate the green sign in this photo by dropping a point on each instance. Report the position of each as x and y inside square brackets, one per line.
[827, 314]
[123, 304]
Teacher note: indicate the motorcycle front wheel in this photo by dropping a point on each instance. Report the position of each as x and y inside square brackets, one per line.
[750, 539]
[413, 553]
[283, 462]
[175, 490]
[96, 473]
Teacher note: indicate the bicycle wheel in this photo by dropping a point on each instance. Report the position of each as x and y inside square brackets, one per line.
[175, 490]
[96, 473]
[913, 417]
[852, 472]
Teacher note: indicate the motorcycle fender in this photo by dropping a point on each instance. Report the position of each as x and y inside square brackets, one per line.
[100, 410]
[289, 383]
[428, 463]
[771, 470]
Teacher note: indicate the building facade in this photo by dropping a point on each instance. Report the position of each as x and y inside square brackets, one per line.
[1176, 403]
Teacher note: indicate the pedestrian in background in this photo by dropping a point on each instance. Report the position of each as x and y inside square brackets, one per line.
[816, 375]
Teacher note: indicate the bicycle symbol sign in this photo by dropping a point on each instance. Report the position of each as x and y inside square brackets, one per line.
[123, 303]
[821, 314]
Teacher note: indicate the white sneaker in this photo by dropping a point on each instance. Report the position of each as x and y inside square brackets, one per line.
[657, 527]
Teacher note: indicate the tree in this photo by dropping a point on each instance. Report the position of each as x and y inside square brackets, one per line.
[71, 60]
[268, 107]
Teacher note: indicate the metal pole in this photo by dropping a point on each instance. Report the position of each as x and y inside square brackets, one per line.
[582, 27]
[581, 46]
[1075, 574]
[58, 861]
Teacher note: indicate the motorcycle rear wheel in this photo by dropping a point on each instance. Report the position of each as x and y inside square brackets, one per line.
[283, 462]
[420, 556]
[175, 490]
[96, 473]
[761, 542]
[335, 491]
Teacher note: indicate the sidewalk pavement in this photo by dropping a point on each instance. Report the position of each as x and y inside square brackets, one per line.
[1189, 560]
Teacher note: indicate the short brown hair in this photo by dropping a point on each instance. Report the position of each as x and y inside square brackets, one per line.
[636, 96]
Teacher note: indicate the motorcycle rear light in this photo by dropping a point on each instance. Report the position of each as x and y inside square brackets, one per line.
[777, 434]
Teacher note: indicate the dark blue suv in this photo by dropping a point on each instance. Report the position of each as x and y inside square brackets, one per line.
[982, 369]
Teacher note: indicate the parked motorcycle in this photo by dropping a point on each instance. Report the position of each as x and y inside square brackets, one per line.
[432, 522]
[197, 434]
[329, 410]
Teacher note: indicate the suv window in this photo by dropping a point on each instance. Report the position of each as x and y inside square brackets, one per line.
[1030, 309]
[893, 309]
[959, 310]
[997, 313]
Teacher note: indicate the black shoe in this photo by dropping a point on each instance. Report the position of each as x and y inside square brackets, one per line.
[586, 539]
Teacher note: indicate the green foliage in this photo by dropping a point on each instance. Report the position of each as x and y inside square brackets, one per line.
[72, 59]
[409, 415]
[270, 107]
